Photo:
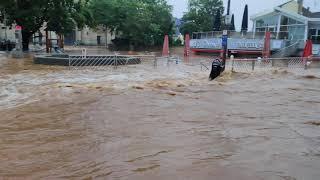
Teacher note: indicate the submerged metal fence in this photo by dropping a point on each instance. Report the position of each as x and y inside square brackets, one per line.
[124, 62]
[104, 62]
[265, 64]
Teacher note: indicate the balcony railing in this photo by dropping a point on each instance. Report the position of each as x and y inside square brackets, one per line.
[231, 34]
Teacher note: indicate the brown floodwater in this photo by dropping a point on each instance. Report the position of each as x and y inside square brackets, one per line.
[166, 123]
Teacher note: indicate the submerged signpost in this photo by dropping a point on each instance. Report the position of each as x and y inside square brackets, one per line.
[17, 52]
[224, 48]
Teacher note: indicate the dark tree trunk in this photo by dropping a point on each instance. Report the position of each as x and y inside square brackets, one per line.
[26, 40]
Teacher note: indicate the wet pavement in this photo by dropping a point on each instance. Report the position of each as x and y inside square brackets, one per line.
[146, 123]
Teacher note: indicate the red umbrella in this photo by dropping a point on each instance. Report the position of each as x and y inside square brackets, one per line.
[165, 51]
[308, 49]
[266, 48]
[187, 45]
[307, 52]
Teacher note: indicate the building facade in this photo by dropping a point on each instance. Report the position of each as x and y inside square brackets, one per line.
[290, 25]
[289, 21]
[99, 36]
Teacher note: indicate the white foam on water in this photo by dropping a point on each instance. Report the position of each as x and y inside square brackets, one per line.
[21, 88]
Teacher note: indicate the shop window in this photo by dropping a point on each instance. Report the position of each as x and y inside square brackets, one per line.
[312, 33]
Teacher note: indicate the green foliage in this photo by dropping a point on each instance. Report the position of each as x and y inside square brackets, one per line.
[61, 16]
[232, 27]
[141, 22]
[201, 15]
[244, 26]
[177, 42]
[217, 22]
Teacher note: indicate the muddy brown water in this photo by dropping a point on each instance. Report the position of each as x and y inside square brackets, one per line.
[153, 124]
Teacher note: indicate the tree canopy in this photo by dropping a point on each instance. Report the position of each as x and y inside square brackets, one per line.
[140, 22]
[202, 15]
[60, 16]
[244, 26]
[217, 22]
[232, 27]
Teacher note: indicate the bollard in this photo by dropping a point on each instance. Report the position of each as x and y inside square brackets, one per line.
[116, 61]
[232, 59]
[253, 64]
[84, 53]
[305, 62]
[155, 62]
[69, 63]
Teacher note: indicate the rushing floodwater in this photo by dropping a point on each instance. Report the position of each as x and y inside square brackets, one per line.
[145, 123]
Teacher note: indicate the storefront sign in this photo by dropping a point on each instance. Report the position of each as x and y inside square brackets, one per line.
[234, 44]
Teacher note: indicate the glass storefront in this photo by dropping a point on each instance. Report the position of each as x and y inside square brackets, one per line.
[314, 35]
[290, 29]
[269, 23]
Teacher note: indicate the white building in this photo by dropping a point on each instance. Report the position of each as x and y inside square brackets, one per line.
[290, 25]
[290, 21]
[99, 36]
[86, 36]
[6, 33]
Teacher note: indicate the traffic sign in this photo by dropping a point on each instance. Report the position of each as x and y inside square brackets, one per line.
[224, 40]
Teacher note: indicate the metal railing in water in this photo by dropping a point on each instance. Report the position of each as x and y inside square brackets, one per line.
[107, 62]
[288, 50]
[104, 62]
[265, 64]
[231, 34]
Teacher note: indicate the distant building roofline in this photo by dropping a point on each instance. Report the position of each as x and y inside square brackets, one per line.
[285, 3]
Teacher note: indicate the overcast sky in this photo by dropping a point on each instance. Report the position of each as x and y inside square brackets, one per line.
[237, 7]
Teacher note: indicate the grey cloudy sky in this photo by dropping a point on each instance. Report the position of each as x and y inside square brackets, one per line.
[237, 7]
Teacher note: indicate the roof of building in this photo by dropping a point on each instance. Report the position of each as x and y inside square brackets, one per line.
[291, 14]
[306, 14]
[281, 5]
[264, 13]
[315, 15]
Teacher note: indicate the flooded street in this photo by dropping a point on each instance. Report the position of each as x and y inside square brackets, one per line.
[144, 123]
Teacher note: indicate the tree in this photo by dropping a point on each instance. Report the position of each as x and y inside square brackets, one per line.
[59, 15]
[217, 22]
[201, 15]
[228, 9]
[139, 22]
[232, 27]
[244, 26]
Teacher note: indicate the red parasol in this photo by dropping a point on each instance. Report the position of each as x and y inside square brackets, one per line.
[187, 45]
[266, 49]
[165, 51]
[307, 52]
